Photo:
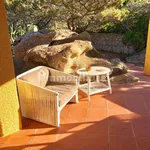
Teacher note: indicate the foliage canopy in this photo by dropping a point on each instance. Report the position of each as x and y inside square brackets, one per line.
[119, 16]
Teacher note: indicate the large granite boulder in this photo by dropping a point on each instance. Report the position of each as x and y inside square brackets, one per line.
[62, 50]
[84, 36]
[63, 34]
[65, 57]
[28, 41]
[67, 51]
[118, 67]
[124, 79]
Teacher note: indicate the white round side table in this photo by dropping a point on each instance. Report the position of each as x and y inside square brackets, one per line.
[91, 88]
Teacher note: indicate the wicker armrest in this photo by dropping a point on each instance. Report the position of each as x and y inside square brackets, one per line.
[38, 103]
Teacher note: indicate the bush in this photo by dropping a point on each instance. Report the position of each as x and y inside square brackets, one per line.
[134, 27]
[137, 35]
[112, 28]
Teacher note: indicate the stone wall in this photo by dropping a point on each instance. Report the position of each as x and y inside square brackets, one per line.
[111, 42]
[137, 58]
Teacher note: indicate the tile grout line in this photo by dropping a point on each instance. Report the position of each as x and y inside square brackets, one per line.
[31, 139]
[132, 127]
[146, 107]
[108, 125]
[85, 122]
[58, 134]
[3, 143]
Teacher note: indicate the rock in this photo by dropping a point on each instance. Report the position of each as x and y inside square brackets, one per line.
[118, 67]
[82, 36]
[138, 58]
[66, 55]
[116, 61]
[19, 65]
[25, 36]
[67, 52]
[22, 66]
[63, 34]
[61, 57]
[100, 62]
[42, 52]
[124, 79]
[30, 40]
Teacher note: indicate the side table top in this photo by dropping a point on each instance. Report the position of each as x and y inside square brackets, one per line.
[95, 70]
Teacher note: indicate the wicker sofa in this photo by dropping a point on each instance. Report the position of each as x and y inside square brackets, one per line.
[43, 92]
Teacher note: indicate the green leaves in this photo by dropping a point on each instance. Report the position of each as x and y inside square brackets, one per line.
[119, 16]
[138, 34]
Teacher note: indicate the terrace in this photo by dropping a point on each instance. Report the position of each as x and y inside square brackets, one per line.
[120, 121]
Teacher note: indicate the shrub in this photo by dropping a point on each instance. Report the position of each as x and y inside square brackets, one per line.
[137, 35]
[134, 27]
[112, 28]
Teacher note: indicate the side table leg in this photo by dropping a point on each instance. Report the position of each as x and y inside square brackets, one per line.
[89, 87]
[109, 84]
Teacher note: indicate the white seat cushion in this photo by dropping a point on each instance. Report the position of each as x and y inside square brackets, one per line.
[65, 90]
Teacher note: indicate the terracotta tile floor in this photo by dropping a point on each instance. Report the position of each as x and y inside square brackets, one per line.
[120, 121]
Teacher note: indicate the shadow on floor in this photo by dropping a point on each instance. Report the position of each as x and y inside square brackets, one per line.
[120, 121]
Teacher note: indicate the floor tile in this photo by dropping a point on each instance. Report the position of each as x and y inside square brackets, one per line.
[99, 127]
[68, 141]
[86, 125]
[136, 104]
[143, 144]
[4, 139]
[141, 126]
[122, 143]
[63, 115]
[119, 126]
[96, 114]
[74, 128]
[31, 124]
[10, 147]
[44, 146]
[71, 120]
[18, 141]
[147, 101]
[116, 105]
[77, 113]
[95, 142]
[41, 138]
[98, 101]
[25, 132]
[83, 103]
